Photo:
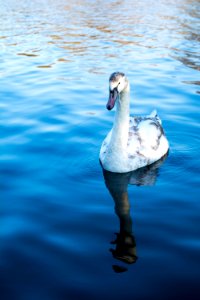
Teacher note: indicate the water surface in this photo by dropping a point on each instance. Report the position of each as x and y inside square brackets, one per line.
[58, 211]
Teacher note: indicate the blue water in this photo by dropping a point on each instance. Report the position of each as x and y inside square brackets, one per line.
[58, 211]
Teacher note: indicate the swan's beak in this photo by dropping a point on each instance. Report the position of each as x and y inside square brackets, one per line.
[112, 99]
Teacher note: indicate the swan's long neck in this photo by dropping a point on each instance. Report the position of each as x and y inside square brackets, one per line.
[119, 138]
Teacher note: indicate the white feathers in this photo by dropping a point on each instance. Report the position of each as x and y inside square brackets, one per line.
[153, 114]
[133, 142]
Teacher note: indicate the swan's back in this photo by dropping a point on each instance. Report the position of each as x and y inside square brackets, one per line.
[146, 144]
[147, 141]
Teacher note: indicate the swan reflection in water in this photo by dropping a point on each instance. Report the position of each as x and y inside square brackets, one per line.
[117, 184]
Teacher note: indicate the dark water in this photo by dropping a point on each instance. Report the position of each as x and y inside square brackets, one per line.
[58, 214]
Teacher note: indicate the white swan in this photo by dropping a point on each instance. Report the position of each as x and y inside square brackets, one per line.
[133, 142]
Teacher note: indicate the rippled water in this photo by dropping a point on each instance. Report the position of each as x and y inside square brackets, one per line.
[58, 211]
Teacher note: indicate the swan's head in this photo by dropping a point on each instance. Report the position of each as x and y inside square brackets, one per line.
[117, 84]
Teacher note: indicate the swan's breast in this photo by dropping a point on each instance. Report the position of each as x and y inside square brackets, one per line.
[105, 145]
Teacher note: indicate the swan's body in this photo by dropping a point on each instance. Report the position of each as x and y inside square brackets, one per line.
[133, 142]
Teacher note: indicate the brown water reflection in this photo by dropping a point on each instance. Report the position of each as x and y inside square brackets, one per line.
[101, 29]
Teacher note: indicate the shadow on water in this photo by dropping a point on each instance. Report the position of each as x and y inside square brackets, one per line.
[117, 184]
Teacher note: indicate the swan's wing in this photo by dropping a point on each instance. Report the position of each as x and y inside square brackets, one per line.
[154, 116]
[145, 134]
[150, 132]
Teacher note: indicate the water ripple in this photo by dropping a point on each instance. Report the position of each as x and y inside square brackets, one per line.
[57, 217]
